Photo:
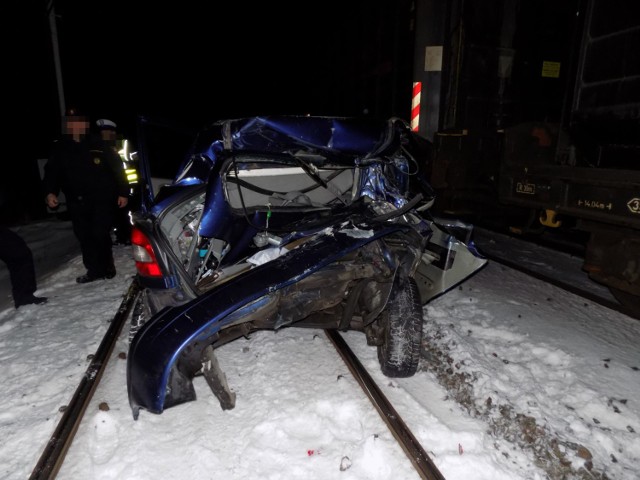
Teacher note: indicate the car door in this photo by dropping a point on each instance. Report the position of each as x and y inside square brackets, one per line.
[163, 146]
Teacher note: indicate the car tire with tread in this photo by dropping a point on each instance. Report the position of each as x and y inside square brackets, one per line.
[401, 323]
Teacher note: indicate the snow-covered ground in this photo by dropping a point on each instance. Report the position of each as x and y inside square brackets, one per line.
[52, 244]
[520, 380]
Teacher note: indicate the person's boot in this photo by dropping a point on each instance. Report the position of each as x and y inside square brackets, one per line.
[30, 300]
[86, 278]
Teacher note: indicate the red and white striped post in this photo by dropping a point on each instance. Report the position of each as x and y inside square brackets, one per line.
[415, 106]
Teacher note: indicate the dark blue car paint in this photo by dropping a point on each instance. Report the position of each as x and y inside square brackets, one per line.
[154, 377]
[156, 348]
[340, 139]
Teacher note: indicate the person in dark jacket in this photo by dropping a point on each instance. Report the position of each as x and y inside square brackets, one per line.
[15, 252]
[90, 174]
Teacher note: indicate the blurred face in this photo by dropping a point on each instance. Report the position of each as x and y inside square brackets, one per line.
[107, 134]
[77, 125]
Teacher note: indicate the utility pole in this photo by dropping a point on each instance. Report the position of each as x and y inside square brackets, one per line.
[56, 56]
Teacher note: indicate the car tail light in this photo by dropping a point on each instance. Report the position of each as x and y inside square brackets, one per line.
[143, 254]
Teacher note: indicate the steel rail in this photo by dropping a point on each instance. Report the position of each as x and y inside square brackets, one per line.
[510, 257]
[612, 305]
[412, 448]
[56, 449]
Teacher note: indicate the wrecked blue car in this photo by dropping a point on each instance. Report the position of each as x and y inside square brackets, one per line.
[287, 221]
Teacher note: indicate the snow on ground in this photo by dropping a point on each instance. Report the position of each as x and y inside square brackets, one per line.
[520, 380]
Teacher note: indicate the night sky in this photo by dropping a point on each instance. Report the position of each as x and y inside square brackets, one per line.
[196, 62]
[202, 61]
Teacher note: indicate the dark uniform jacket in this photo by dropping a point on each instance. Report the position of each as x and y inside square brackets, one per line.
[84, 170]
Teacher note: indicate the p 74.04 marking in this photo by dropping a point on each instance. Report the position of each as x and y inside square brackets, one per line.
[595, 204]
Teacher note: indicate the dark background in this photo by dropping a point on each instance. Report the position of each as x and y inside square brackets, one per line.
[196, 62]
[192, 63]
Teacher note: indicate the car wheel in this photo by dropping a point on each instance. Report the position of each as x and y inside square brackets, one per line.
[401, 326]
[138, 317]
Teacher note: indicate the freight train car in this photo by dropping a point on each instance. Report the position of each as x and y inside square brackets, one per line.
[534, 113]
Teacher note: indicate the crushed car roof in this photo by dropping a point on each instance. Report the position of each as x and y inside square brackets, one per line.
[351, 137]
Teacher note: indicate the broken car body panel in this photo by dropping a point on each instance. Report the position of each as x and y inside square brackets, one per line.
[181, 329]
[284, 221]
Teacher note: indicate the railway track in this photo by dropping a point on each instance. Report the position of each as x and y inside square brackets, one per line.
[58, 445]
[412, 448]
[54, 453]
[510, 253]
[586, 294]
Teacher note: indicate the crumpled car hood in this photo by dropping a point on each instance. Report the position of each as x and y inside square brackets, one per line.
[342, 140]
